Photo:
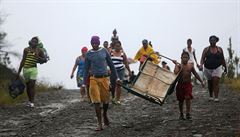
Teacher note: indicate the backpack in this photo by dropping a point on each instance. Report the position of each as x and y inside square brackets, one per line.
[46, 56]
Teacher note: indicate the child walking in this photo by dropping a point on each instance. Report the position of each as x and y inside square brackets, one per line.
[184, 86]
[79, 63]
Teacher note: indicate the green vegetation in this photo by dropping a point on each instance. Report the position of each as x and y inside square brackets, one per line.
[233, 78]
[7, 75]
[233, 83]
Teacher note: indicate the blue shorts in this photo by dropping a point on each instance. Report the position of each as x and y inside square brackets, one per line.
[121, 74]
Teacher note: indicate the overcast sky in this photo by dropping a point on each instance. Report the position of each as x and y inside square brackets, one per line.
[65, 26]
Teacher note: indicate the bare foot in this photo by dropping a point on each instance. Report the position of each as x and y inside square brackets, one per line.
[81, 99]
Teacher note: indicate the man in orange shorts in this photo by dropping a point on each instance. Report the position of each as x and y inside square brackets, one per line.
[97, 59]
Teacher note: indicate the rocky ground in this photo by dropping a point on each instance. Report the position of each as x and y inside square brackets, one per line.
[60, 114]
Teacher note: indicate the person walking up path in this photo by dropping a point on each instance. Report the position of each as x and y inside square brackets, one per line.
[31, 56]
[98, 59]
[120, 62]
[213, 60]
[184, 86]
[191, 51]
[145, 52]
[79, 63]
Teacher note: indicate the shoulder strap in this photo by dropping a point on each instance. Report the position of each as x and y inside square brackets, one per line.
[219, 49]
[208, 48]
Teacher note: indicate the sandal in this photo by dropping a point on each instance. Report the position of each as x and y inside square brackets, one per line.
[98, 129]
[118, 103]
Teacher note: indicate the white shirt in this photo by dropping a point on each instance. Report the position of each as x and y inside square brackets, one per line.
[191, 59]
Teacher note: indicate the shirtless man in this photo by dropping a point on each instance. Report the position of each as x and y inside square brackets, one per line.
[184, 86]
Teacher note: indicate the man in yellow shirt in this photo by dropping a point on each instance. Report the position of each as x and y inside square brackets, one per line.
[144, 52]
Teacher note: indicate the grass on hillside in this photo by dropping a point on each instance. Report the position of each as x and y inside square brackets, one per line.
[233, 83]
[8, 74]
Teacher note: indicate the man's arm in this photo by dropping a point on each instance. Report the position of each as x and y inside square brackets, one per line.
[223, 62]
[137, 56]
[177, 67]
[197, 76]
[40, 53]
[203, 57]
[74, 68]
[125, 61]
[152, 54]
[40, 56]
[194, 56]
[22, 61]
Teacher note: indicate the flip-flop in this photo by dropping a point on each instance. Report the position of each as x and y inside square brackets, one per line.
[98, 129]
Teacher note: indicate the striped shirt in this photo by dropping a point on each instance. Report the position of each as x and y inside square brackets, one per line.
[31, 60]
[118, 62]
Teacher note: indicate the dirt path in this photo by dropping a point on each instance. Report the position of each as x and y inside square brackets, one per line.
[59, 114]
